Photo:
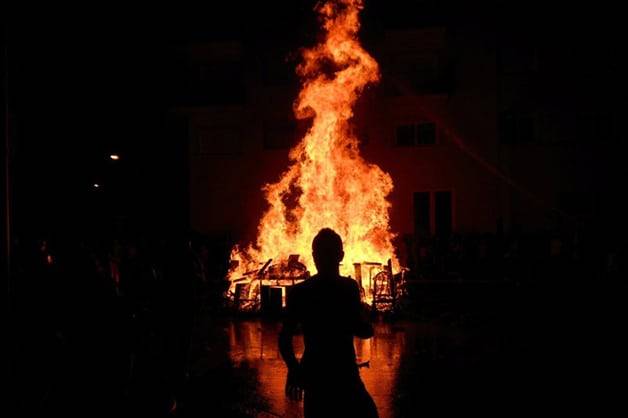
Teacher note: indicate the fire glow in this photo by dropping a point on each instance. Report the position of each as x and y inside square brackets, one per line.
[328, 183]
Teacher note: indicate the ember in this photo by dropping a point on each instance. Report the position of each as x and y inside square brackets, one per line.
[328, 183]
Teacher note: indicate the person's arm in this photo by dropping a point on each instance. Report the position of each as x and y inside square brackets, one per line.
[285, 343]
[362, 327]
[294, 384]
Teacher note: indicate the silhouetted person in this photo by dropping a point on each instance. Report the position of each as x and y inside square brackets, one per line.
[328, 308]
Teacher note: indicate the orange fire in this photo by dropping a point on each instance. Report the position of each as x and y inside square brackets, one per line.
[328, 183]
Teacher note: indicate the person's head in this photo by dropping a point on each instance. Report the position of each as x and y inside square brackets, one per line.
[327, 250]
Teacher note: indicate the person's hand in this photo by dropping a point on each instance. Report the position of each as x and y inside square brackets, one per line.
[363, 326]
[294, 383]
[365, 312]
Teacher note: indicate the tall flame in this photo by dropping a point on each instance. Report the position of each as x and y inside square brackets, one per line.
[328, 183]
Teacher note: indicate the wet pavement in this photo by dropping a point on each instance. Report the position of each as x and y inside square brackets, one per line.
[252, 345]
[255, 342]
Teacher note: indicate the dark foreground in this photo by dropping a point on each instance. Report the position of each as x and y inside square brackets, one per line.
[466, 348]
[496, 350]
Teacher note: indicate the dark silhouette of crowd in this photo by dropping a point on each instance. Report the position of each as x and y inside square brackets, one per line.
[103, 327]
[550, 255]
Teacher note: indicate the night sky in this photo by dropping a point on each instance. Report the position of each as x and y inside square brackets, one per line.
[88, 83]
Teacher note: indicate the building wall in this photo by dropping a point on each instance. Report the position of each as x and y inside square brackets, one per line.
[559, 104]
[234, 149]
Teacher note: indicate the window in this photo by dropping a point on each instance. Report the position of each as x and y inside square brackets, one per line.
[219, 83]
[218, 140]
[422, 215]
[442, 213]
[279, 135]
[598, 126]
[276, 69]
[422, 133]
[405, 135]
[517, 128]
[433, 213]
[517, 59]
[426, 134]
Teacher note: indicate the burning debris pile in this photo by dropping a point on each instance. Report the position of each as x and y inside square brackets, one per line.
[328, 183]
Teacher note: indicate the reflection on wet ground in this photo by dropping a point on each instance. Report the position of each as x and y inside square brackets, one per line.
[415, 367]
[254, 343]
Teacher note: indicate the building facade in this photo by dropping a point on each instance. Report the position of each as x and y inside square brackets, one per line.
[466, 123]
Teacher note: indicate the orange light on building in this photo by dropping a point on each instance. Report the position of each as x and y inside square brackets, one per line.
[114, 157]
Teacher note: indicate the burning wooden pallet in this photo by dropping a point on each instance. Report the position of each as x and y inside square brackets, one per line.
[265, 289]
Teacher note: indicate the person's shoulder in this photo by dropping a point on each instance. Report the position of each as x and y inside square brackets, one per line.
[348, 282]
[299, 288]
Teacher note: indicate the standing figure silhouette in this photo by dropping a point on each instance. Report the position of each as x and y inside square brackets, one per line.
[328, 308]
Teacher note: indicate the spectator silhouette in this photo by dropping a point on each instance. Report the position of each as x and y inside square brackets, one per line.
[329, 310]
